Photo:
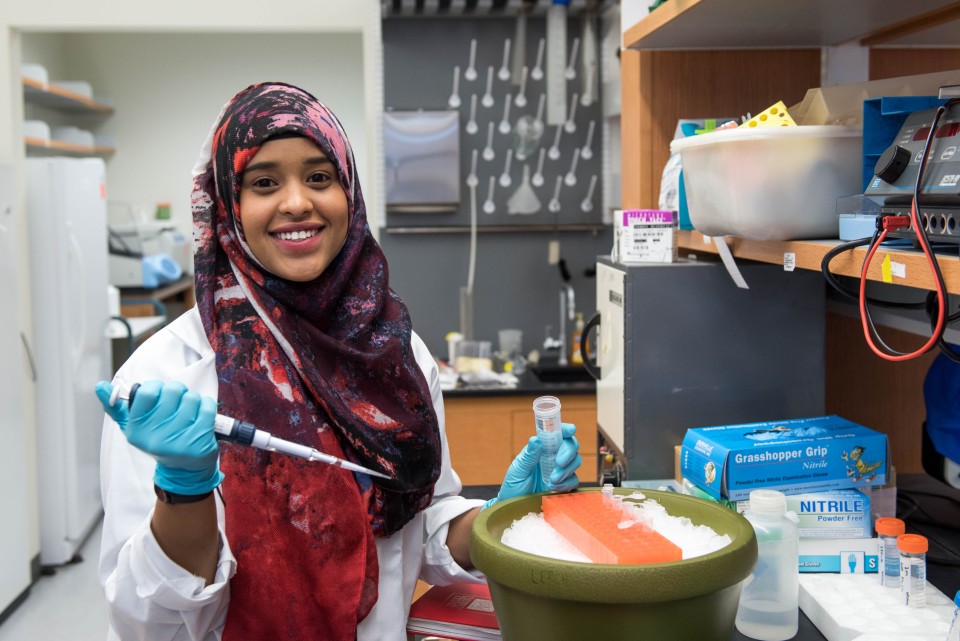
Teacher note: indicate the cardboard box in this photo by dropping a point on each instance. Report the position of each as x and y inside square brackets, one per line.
[831, 514]
[843, 556]
[794, 456]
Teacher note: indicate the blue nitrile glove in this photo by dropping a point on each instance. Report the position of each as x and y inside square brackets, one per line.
[523, 475]
[174, 426]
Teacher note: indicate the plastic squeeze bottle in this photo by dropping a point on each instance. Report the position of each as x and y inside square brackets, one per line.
[769, 598]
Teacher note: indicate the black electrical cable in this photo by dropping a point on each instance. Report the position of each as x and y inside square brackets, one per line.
[921, 232]
[834, 282]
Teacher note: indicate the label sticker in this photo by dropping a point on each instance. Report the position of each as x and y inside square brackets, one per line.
[898, 269]
[885, 270]
[789, 261]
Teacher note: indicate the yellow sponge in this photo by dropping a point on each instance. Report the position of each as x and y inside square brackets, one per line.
[775, 116]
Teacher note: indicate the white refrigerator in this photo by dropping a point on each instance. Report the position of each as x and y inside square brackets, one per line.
[15, 535]
[67, 218]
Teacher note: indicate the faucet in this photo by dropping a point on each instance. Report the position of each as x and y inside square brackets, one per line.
[567, 312]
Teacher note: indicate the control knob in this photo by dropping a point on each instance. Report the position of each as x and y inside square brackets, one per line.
[892, 163]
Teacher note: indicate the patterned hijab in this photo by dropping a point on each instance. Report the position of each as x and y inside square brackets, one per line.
[327, 363]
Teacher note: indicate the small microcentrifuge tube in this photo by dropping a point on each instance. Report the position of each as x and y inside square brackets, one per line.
[488, 153]
[586, 152]
[537, 179]
[504, 127]
[607, 489]
[488, 206]
[570, 125]
[504, 73]
[520, 99]
[505, 179]
[570, 73]
[454, 100]
[487, 100]
[546, 412]
[471, 73]
[537, 72]
[472, 127]
[554, 205]
[571, 178]
[554, 152]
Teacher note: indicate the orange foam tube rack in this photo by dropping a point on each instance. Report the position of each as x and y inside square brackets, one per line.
[591, 523]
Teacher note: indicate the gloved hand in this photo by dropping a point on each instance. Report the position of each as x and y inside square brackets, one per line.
[174, 426]
[523, 476]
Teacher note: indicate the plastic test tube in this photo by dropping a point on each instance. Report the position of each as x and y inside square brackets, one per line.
[546, 411]
[913, 569]
[888, 529]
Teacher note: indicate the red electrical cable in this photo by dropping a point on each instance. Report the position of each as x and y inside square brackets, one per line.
[941, 308]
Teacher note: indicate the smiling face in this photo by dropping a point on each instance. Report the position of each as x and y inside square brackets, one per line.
[293, 210]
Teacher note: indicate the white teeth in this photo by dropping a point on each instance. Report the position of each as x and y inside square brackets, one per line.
[296, 235]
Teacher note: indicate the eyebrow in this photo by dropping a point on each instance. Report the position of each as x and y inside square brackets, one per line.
[257, 166]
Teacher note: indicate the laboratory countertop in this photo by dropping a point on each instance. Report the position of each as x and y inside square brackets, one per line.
[528, 385]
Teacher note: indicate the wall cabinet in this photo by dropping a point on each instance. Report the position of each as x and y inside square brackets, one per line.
[702, 58]
[53, 97]
[486, 433]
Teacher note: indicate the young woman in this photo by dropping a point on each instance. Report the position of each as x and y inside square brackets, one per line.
[296, 331]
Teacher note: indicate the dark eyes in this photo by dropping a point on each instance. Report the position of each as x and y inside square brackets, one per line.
[318, 178]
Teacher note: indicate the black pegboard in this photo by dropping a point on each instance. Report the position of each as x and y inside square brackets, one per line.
[419, 60]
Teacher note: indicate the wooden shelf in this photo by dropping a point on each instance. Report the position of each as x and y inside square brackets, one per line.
[716, 24]
[808, 254]
[56, 97]
[40, 147]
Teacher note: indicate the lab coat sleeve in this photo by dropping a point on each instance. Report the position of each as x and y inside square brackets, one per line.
[437, 564]
[149, 596]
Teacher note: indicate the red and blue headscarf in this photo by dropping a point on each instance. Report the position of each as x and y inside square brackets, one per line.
[327, 363]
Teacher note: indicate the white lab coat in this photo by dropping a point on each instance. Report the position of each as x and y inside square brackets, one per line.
[150, 597]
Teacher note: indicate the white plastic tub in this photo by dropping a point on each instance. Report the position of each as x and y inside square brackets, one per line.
[777, 183]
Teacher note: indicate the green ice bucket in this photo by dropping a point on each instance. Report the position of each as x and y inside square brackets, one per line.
[540, 598]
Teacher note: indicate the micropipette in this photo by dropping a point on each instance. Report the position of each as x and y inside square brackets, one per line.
[244, 433]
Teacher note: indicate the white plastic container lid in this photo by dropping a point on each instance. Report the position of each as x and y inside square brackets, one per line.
[764, 133]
